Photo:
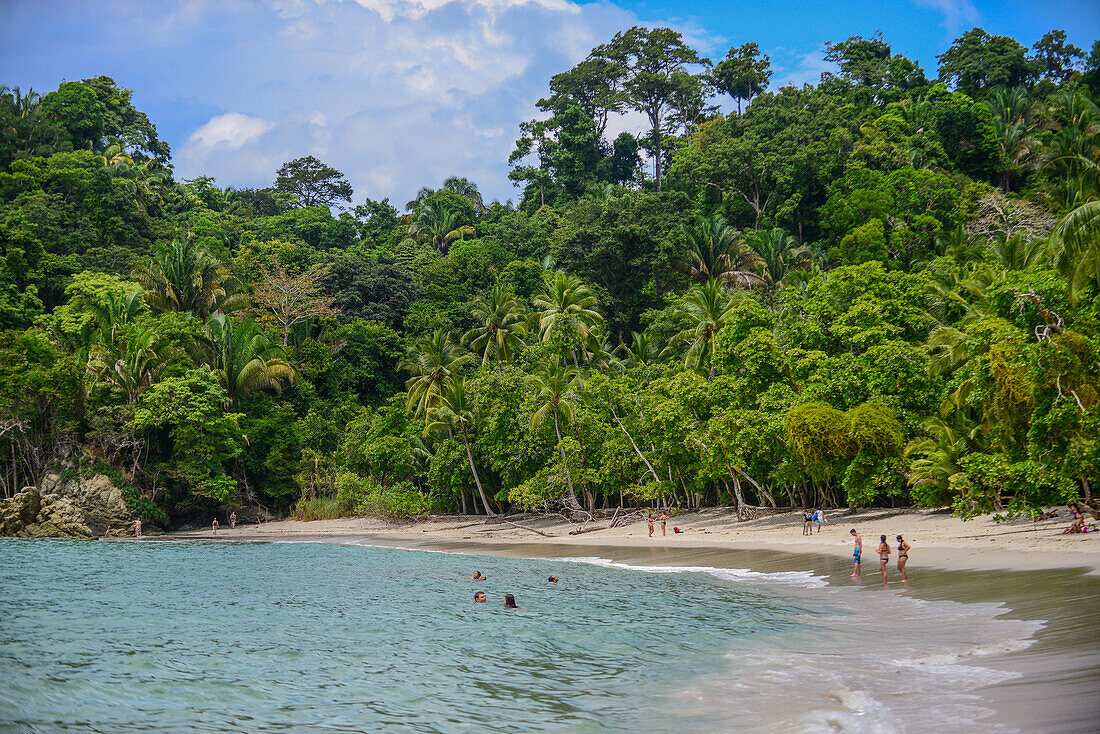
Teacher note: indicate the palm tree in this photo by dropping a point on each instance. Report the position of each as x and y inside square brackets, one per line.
[454, 413]
[21, 104]
[1075, 247]
[182, 276]
[1018, 252]
[132, 365]
[566, 308]
[438, 226]
[1014, 117]
[460, 185]
[642, 350]
[243, 358]
[780, 254]
[501, 321]
[553, 384]
[707, 307]
[110, 314]
[431, 360]
[716, 252]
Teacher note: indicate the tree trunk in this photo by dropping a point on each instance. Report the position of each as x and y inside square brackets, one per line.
[477, 479]
[638, 451]
[738, 496]
[573, 503]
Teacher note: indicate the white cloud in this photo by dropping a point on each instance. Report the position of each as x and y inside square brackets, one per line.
[416, 9]
[232, 130]
[397, 94]
[808, 70]
[958, 15]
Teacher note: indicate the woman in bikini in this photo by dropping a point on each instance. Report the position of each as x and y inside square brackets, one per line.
[883, 556]
[903, 556]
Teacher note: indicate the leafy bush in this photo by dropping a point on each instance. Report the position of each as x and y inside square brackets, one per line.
[322, 508]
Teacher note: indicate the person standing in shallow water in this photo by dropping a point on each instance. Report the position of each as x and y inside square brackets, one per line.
[883, 556]
[649, 521]
[664, 519]
[857, 552]
[903, 556]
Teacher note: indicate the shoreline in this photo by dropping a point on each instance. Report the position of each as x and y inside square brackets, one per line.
[1025, 573]
[938, 541]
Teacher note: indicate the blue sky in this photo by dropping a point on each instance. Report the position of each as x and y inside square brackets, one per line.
[402, 93]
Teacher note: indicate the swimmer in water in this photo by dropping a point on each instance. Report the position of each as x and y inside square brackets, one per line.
[510, 602]
[476, 577]
[552, 580]
[479, 597]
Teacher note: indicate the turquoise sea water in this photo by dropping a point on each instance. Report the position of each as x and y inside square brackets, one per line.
[304, 637]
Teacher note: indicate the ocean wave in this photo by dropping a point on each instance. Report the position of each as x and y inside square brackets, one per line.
[799, 578]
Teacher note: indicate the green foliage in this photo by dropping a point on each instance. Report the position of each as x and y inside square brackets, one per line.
[870, 290]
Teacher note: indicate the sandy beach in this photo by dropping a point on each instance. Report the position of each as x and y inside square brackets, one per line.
[938, 540]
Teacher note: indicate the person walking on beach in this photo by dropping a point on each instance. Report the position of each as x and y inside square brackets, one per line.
[819, 519]
[232, 520]
[664, 519]
[137, 528]
[903, 556]
[479, 597]
[858, 551]
[883, 556]
[807, 520]
[214, 526]
[649, 521]
[510, 602]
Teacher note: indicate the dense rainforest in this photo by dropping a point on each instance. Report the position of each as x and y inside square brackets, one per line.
[880, 290]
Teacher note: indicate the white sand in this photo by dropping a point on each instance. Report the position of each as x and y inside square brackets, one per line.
[937, 539]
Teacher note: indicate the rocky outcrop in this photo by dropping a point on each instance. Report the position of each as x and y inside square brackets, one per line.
[66, 507]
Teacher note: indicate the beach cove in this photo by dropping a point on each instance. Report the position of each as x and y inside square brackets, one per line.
[668, 634]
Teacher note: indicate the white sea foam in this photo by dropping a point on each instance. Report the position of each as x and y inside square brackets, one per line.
[799, 578]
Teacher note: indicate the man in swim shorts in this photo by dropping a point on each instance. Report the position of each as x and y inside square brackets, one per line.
[857, 552]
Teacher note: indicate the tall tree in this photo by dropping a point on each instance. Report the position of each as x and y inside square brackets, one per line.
[500, 321]
[716, 251]
[182, 276]
[658, 83]
[432, 360]
[453, 412]
[1054, 58]
[243, 358]
[566, 307]
[707, 307]
[978, 60]
[744, 73]
[438, 226]
[553, 384]
[292, 299]
[313, 182]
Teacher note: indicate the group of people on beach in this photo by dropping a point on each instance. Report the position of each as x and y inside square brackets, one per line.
[883, 555]
[509, 599]
[663, 518]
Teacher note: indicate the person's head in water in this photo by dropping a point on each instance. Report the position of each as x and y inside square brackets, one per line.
[510, 602]
[477, 576]
[552, 580]
[479, 597]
